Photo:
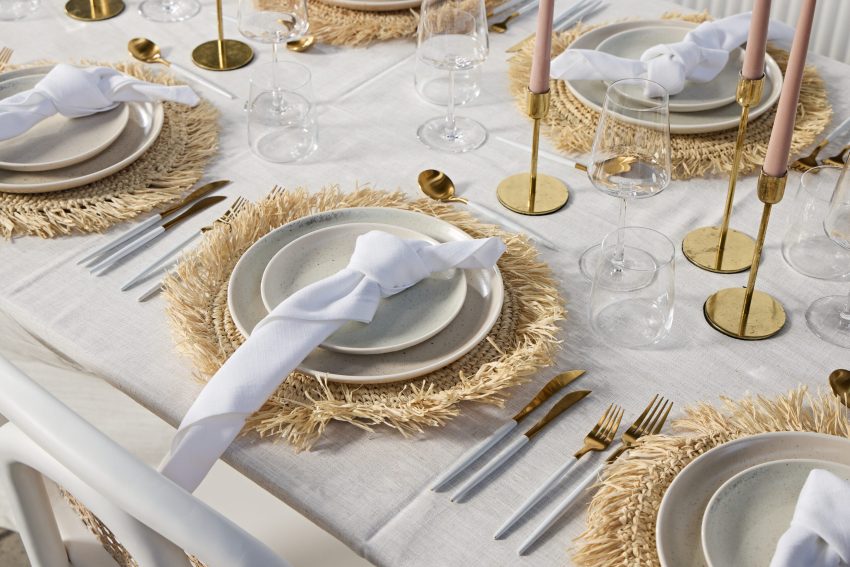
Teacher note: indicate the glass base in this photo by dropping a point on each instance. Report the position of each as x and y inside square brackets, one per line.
[164, 11]
[636, 271]
[824, 318]
[468, 135]
[633, 323]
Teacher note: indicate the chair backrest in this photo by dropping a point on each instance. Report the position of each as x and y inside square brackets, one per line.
[829, 35]
[158, 522]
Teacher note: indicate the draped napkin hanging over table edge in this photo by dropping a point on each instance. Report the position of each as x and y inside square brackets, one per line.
[571, 125]
[171, 166]
[622, 514]
[522, 342]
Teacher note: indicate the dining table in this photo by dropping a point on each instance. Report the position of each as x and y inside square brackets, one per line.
[370, 488]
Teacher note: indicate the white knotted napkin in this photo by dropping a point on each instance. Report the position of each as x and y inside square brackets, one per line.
[819, 535]
[699, 57]
[75, 91]
[382, 265]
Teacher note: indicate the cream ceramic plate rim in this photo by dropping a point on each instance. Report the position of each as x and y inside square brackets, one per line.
[375, 5]
[592, 38]
[148, 113]
[685, 500]
[447, 315]
[677, 105]
[116, 126]
[713, 511]
[492, 297]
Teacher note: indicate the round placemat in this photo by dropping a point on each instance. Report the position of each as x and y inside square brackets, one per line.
[571, 125]
[622, 515]
[173, 164]
[522, 341]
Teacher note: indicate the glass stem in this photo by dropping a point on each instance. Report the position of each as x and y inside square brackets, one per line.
[277, 99]
[620, 251]
[451, 127]
[844, 316]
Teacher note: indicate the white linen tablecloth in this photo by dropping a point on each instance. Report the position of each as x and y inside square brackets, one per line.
[370, 489]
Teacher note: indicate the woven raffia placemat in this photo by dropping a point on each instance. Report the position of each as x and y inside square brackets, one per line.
[621, 518]
[571, 125]
[174, 163]
[522, 341]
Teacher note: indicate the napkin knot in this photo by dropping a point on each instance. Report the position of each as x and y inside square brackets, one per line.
[391, 262]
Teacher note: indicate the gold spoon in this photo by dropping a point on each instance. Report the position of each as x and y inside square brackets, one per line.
[439, 186]
[839, 158]
[502, 27]
[839, 381]
[147, 51]
[301, 44]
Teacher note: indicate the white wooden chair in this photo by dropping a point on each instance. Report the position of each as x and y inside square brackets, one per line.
[158, 523]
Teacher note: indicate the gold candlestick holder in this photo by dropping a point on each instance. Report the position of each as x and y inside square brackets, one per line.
[721, 249]
[530, 193]
[745, 313]
[222, 54]
[94, 10]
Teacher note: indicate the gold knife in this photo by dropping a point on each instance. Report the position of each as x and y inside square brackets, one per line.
[472, 455]
[565, 403]
[201, 205]
[100, 254]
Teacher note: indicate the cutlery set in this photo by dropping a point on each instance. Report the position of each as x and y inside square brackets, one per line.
[808, 162]
[598, 439]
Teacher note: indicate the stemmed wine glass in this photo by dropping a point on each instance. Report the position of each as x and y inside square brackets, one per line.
[630, 158]
[169, 10]
[275, 22]
[829, 317]
[452, 37]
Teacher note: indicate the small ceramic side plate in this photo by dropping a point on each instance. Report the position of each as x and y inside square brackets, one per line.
[749, 513]
[402, 320]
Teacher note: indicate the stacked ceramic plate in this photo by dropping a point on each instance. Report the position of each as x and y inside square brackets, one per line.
[63, 153]
[700, 107]
[731, 505]
[375, 5]
[415, 332]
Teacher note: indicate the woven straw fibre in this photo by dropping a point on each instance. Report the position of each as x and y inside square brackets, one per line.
[522, 342]
[622, 515]
[172, 165]
[571, 125]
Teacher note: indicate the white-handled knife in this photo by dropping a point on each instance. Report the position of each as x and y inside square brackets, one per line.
[563, 405]
[551, 388]
[157, 264]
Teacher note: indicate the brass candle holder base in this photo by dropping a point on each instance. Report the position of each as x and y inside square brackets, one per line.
[94, 10]
[720, 249]
[765, 318]
[222, 55]
[701, 249]
[530, 193]
[551, 194]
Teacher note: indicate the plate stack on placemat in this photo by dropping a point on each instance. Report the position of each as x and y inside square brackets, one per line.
[460, 335]
[719, 493]
[84, 174]
[703, 117]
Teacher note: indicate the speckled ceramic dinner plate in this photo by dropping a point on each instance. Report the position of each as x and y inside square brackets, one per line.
[375, 5]
[56, 141]
[679, 525]
[481, 307]
[592, 93]
[748, 514]
[402, 320]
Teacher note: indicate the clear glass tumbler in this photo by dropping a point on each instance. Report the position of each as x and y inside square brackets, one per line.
[17, 9]
[634, 316]
[806, 247]
[282, 125]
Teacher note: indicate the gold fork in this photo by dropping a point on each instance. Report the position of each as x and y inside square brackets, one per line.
[649, 422]
[598, 439]
[228, 215]
[806, 163]
[839, 158]
[5, 56]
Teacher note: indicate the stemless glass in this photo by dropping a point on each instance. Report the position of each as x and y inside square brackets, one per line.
[275, 22]
[282, 123]
[634, 317]
[829, 317]
[169, 10]
[452, 37]
[630, 158]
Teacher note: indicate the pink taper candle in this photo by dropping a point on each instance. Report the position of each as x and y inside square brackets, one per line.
[753, 67]
[542, 48]
[776, 160]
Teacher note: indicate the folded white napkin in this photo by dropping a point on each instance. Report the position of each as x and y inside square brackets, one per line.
[699, 57]
[75, 91]
[382, 265]
[819, 535]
